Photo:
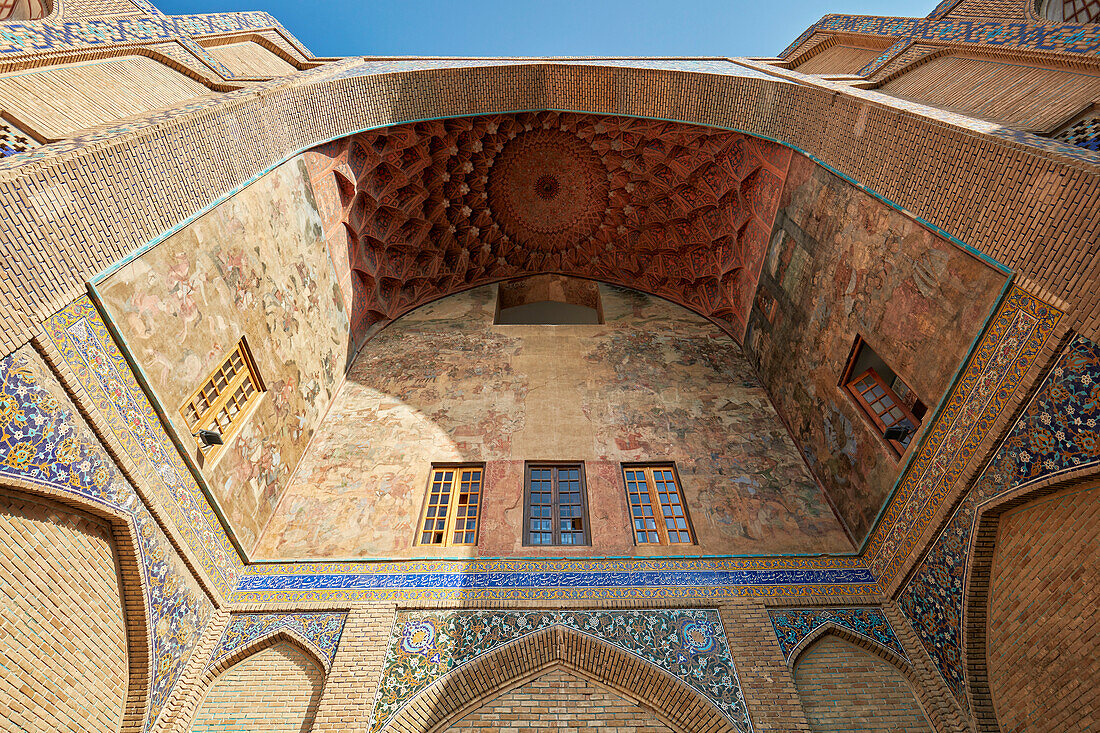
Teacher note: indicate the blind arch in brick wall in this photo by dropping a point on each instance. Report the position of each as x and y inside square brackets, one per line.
[139, 650]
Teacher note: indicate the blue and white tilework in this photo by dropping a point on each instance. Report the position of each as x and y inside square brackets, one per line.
[44, 442]
[552, 580]
[1057, 433]
[320, 631]
[793, 625]
[86, 345]
[690, 645]
[1016, 35]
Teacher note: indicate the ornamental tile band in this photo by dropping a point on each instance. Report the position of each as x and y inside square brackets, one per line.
[87, 347]
[43, 442]
[1058, 432]
[1014, 35]
[1010, 345]
[320, 631]
[793, 625]
[690, 645]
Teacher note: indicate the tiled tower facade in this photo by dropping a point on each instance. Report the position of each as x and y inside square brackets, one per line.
[694, 395]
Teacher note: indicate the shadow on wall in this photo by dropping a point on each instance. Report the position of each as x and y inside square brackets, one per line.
[654, 383]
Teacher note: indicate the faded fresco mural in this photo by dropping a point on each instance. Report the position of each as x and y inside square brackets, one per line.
[842, 264]
[256, 267]
[655, 382]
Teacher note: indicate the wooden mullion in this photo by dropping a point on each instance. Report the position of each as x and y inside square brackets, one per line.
[223, 397]
[655, 501]
[555, 506]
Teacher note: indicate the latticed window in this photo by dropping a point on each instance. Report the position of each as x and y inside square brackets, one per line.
[226, 398]
[556, 505]
[13, 139]
[657, 508]
[1072, 11]
[452, 509]
[882, 405]
[1083, 132]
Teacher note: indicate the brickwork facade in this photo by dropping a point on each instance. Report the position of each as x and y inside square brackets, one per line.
[844, 688]
[922, 145]
[64, 660]
[275, 689]
[1042, 629]
[559, 700]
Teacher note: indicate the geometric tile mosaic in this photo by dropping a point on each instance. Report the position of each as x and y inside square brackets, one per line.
[42, 441]
[1059, 431]
[690, 645]
[320, 631]
[87, 347]
[792, 625]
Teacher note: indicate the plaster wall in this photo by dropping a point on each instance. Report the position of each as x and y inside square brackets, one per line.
[255, 266]
[842, 264]
[655, 382]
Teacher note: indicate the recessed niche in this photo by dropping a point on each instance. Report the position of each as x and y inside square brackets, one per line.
[548, 300]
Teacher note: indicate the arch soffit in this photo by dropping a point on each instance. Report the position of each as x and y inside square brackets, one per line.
[135, 607]
[512, 665]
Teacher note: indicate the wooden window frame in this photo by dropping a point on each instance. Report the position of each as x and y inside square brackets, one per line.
[452, 505]
[655, 502]
[555, 516]
[848, 382]
[206, 420]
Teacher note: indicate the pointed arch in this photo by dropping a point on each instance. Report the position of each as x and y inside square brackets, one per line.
[905, 695]
[977, 581]
[270, 639]
[135, 609]
[462, 690]
[217, 671]
[859, 640]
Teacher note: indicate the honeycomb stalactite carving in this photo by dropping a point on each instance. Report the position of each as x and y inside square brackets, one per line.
[433, 208]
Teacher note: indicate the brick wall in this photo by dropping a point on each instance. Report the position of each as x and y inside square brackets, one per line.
[1044, 623]
[844, 688]
[560, 699]
[275, 689]
[63, 658]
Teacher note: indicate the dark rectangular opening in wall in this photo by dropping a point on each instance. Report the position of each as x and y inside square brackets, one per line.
[890, 405]
[548, 300]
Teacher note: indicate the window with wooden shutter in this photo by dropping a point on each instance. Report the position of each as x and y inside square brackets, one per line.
[452, 509]
[890, 405]
[556, 505]
[658, 512]
[226, 398]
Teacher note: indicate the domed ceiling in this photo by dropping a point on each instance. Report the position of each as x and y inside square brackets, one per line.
[433, 208]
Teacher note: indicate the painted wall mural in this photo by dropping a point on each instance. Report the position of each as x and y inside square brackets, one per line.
[793, 625]
[319, 631]
[45, 442]
[841, 264]
[1012, 341]
[87, 347]
[690, 645]
[655, 382]
[255, 266]
[1058, 432]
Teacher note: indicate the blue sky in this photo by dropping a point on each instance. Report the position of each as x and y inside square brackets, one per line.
[553, 28]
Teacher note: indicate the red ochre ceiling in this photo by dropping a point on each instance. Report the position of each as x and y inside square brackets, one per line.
[428, 209]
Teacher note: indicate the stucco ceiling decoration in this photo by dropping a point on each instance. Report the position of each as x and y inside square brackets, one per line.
[676, 210]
